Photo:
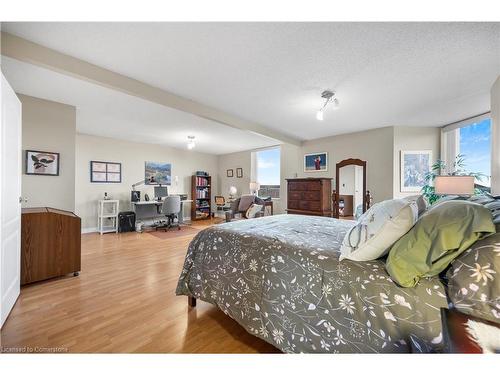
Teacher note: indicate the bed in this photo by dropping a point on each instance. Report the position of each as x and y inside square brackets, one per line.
[280, 278]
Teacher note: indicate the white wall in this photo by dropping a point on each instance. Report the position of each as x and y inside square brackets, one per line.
[495, 137]
[413, 139]
[374, 146]
[233, 161]
[289, 155]
[49, 126]
[132, 156]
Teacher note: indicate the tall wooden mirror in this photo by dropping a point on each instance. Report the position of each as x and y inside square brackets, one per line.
[350, 188]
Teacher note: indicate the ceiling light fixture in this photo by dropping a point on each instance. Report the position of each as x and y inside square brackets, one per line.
[191, 143]
[329, 98]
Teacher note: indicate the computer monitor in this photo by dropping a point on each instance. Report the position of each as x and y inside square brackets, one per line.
[161, 191]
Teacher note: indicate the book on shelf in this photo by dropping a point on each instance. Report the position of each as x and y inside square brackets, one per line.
[201, 181]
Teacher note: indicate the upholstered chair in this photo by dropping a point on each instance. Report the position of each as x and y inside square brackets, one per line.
[241, 205]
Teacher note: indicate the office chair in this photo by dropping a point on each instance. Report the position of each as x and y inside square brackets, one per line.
[171, 208]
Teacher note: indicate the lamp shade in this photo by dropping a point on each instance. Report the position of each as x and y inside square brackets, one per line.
[233, 190]
[254, 186]
[457, 185]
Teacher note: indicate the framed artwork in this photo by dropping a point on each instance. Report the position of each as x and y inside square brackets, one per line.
[103, 171]
[42, 163]
[158, 173]
[414, 166]
[316, 162]
[229, 173]
[239, 172]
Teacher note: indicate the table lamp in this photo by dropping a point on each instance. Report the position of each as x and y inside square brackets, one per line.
[232, 192]
[254, 187]
[455, 185]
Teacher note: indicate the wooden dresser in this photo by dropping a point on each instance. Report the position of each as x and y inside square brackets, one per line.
[309, 196]
[50, 244]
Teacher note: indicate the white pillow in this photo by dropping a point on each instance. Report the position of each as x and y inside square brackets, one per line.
[252, 210]
[378, 229]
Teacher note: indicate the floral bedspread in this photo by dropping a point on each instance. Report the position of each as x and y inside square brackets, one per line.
[280, 278]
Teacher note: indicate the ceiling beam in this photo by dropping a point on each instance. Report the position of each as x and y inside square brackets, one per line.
[36, 54]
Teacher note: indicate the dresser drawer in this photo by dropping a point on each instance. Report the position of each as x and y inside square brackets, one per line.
[296, 186]
[311, 195]
[293, 205]
[295, 195]
[313, 186]
[310, 206]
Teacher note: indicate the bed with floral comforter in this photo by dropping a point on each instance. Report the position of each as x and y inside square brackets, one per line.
[280, 278]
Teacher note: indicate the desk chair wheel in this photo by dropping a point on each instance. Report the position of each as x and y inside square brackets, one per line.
[76, 274]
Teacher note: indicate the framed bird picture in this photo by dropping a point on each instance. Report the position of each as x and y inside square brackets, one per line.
[42, 163]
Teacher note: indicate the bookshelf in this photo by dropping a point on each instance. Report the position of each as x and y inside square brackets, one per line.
[201, 193]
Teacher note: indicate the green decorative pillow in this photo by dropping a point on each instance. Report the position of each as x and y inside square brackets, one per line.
[474, 280]
[439, 236]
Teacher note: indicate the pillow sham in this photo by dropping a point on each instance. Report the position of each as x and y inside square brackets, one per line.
[420, 201]
[474, 280]
[439, 236]
[253, 210]
[378, 228]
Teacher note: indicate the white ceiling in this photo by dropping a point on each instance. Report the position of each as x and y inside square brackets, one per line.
[109, 113]
[406, 74]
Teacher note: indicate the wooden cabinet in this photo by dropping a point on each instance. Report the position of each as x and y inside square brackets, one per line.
[309, 196]
[50, 243]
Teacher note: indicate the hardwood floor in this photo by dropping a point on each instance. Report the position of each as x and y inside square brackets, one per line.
[123, 301]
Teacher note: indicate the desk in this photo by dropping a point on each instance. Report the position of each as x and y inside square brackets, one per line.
[151, 210]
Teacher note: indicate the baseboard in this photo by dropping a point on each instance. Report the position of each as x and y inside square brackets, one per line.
[187, 219]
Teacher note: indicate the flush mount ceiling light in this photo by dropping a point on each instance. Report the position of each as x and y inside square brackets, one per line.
[329, 97]
[191, 143]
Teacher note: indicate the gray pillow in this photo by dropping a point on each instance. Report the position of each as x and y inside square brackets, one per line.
[474, 279]
[245, 202]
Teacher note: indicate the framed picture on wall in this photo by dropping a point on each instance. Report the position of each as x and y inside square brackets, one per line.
[316, 162]
[107, 172]
[414, 166]
[43, 163]
[229, 173]
[239, 172]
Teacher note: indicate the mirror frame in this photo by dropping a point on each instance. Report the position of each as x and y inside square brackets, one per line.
[345, 163]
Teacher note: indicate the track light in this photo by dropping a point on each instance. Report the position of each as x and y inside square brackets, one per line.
[329, 98]
[191, 143]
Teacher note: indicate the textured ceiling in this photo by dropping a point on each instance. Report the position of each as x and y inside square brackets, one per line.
[108, 113]
[406, 74]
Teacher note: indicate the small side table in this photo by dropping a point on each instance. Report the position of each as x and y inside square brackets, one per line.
[107, 211]
[270, 205]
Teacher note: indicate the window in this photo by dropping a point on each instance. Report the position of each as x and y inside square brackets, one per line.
[266, 172]
[475, 145]
[472, 140]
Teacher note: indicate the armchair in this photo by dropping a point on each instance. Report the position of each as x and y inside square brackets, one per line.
[241, 205]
